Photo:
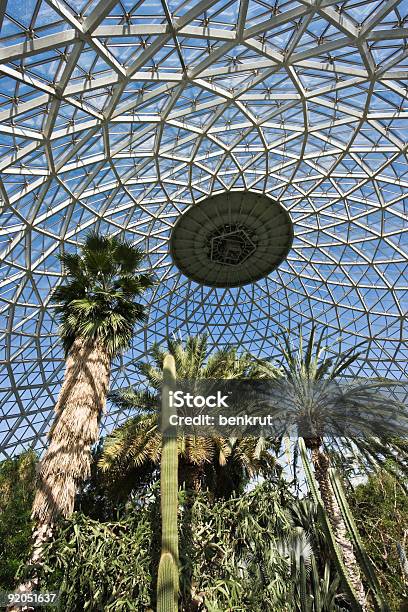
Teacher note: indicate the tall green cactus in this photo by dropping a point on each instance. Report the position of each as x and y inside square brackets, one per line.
[168, 578]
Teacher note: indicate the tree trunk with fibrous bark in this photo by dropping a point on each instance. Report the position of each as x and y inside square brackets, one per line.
[321, 463]
[67, 460]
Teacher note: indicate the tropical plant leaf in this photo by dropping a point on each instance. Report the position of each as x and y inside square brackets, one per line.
[98, 299]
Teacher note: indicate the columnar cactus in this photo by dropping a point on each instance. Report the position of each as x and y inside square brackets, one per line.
[168, 578]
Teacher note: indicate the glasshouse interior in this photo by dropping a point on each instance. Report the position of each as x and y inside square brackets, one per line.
[205, 196]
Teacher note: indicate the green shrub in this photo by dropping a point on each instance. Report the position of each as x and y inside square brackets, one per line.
[380, 507]
[258, 552]
[229, 556]
[101, 566]
[17, 482]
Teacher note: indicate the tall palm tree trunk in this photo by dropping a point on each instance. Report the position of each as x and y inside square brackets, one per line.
[321, 463]
[67, 460]
[75, 429]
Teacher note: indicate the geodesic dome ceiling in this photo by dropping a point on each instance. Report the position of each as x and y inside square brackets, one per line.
[120, 115]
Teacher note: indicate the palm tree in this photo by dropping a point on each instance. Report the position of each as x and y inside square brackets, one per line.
[220, 464]
[311, 397]
[98, 308]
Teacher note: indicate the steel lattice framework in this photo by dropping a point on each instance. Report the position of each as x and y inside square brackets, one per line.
[118, 115]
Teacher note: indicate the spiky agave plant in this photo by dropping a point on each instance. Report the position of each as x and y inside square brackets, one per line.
[98, 307]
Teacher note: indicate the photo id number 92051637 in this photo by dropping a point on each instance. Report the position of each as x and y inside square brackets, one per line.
[31, 599]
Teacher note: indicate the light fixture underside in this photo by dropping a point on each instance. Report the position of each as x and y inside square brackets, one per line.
[231, 239]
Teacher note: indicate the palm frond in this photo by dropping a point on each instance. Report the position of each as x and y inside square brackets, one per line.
[153, 375]
[239, 459]
[131, 444]
[98, 299]
[133, 399]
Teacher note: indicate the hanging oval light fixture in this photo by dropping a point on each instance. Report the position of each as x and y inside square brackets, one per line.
[231, 239]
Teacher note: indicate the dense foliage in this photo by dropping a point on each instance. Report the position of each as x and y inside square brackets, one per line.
[261, 549]
[17, 481]
[257, 551]
[222, 465]
[235, 553]
[380, 507]
[245, 553]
